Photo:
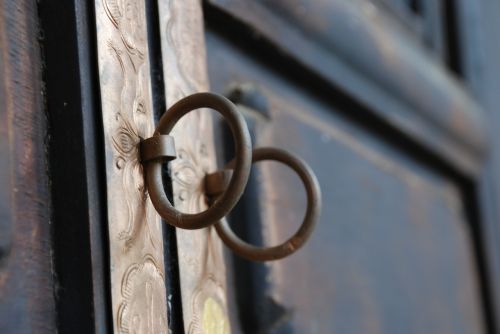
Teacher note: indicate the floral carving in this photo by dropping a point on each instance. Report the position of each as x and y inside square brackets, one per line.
[208, 301]
[188, 172]
[137, 277]
[125, 142]
[143, 307]
[202, 267]
[133, 118]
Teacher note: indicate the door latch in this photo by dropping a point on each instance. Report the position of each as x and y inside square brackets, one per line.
[224, 188]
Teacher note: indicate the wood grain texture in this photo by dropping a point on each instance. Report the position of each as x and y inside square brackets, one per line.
[201, 265]
[79, 211]
[26, 279]
[135, 231]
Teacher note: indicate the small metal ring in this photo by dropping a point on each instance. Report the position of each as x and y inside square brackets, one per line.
[243, 158]
[254, 253]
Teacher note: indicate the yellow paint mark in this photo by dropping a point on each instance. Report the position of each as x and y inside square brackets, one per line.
[215, 320]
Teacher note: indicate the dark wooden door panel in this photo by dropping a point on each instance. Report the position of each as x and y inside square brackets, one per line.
[27, 298]
[363, 51]
[392, 253]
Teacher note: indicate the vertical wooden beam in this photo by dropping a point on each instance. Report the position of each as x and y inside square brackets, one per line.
[26, 279]
[478, 27]
[76, 166]
[135, 231]
[201, 263]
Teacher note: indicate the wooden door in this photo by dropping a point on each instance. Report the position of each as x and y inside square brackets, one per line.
[372, 95]
[392, 103]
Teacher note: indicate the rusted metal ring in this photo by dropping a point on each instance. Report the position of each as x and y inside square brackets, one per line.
[254, 253]
[243, 158]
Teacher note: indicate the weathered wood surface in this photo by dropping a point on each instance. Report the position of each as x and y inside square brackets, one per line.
[357, 48]
[201, 265]
[26, 278]
[478, 27]
[393, 251]
[138, 290]
[76, 166]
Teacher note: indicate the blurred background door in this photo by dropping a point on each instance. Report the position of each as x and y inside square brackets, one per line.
[374, 96]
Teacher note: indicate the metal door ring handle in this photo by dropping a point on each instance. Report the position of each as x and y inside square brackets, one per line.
[251, 252]
[242, 164]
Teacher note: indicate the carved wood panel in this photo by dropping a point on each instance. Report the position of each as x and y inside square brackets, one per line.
[201, 264]
[135, 231]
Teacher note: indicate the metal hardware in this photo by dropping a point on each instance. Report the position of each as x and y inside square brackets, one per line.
[224, 188]
[216, 182]
[158, 147]
[153, 158]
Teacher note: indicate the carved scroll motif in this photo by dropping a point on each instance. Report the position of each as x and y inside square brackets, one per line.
[202, 270]
[135, 232]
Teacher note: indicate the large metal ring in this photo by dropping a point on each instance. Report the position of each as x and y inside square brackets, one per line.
[243, 158]
[251, 252]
